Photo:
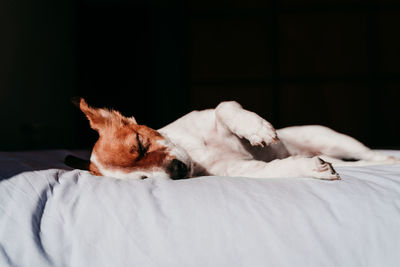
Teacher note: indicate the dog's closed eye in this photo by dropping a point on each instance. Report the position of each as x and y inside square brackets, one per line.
[140, 148]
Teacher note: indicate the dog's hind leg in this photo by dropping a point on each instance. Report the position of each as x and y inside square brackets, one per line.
[314, 140]
[291, 167]
[244, 124]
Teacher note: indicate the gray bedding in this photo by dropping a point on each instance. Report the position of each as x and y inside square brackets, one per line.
[53, 216]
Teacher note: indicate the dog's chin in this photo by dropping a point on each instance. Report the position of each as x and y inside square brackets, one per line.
[157, 172]
[141, 175]
[138, 175]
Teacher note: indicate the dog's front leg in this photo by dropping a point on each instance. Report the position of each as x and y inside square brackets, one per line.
[290, 167]
[231, 117]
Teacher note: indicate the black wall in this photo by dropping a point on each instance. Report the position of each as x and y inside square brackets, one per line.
[294, 62]
[37, 74]
[133, 57]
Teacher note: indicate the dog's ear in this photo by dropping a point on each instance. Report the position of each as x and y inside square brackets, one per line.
[99, 118]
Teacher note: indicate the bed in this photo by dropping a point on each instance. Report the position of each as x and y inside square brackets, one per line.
[51, 215]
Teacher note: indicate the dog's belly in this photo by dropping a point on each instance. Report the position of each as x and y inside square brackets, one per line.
[267, 153]
[196, 132]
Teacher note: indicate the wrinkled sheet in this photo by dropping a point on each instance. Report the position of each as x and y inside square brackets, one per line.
[54, 216]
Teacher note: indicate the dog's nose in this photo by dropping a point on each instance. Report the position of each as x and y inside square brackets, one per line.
[178, 170]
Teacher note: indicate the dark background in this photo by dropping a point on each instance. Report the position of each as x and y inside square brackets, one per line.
[333, 62]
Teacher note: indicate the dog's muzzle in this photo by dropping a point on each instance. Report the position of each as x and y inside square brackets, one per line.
[178, 170]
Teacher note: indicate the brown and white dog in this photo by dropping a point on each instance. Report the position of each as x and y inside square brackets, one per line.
[225, 141]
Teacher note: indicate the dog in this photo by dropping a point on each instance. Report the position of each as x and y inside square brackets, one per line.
[225, 141]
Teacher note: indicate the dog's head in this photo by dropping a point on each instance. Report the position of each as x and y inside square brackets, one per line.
[128, 150]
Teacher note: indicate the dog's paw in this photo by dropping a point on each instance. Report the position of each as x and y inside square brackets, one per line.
[257, 131]
[262, 136]
[394, 160]
[323, 170]
[391, 160]
[379, 157]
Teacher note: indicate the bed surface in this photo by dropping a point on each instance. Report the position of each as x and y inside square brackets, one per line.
[51, 215]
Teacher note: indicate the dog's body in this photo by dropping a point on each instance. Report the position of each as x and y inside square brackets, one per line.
[225, 141]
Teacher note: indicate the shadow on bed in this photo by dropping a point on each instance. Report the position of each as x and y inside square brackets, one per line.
[13, 163]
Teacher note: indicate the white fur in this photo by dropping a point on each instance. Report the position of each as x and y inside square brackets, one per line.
[214, 139]
[155, 172]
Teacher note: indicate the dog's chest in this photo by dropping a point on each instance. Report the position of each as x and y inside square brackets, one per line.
[197, 133]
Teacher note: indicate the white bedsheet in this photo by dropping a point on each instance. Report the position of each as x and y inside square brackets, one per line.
[62, 217]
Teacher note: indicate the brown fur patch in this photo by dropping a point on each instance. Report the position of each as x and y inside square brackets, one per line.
[100, 118]
[118, 148]
[94, 170]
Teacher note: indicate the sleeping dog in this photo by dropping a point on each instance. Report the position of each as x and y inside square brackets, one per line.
[225, 141]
